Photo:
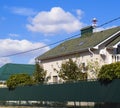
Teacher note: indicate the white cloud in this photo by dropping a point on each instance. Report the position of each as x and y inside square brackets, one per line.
[23, 11]
[54, 21]
[98, 29]
[4, 60]
[9, 46]
[31, 61]
[102, 28]
[79, 13]
[13, 35]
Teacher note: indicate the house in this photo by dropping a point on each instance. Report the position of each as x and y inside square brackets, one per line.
[10, 68]
[103, 46]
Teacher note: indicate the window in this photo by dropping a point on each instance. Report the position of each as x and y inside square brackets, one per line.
[118, 49]
[55, 79]
[117, 58]
[83, 67]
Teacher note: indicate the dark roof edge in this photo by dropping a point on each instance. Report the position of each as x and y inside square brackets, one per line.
[114, 46]
[67, 54]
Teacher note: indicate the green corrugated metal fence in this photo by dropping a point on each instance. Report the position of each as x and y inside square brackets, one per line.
[92, 91]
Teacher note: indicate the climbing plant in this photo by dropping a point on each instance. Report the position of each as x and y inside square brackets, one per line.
[70, 71]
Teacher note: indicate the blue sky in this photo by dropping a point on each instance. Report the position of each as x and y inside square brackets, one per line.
[29, 24]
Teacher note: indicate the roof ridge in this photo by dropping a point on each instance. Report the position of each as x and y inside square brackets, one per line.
[17, 64]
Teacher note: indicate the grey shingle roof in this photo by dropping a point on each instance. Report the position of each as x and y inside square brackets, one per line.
[79, 44]
[116, 40]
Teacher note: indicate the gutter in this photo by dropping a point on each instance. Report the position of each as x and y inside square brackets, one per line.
[67, 54]
[91, 52]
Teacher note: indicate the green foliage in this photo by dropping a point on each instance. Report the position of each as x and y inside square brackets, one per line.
[109, 71]
[25, 79]
[70, 71]
[117, 70]
[39, 74]
[93, 68]
[19, 80]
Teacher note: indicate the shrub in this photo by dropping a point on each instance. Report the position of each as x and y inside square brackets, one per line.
[117, 70]
[109, 71]
[19, 80]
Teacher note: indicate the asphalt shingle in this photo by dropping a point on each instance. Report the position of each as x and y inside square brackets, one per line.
[79, 44]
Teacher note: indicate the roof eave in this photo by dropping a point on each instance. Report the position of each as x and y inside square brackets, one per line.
[97, 46]
[67, 54]
[114, 46]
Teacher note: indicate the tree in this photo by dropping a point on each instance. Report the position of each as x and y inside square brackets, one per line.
[39, 74]
[19, 80]
[109, 72]
[93, 68]
[70, 71]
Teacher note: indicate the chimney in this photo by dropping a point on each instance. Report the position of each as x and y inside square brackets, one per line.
[86, 31]
[94, 22]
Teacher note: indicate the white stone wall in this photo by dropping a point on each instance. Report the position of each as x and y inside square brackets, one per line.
[83, 57]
